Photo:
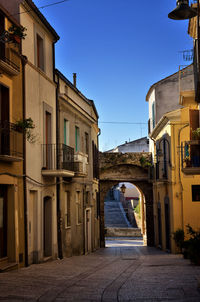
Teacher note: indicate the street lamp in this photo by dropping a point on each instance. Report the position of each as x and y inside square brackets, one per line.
[123, 188]
[181, 12]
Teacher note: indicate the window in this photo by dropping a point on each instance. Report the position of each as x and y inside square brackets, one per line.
[87, 144]
[97, 205]
[165, 159]
[87, 197]
[153, 115]
[78, 208]
[48, 145]
[66, 90]
[2, 28]
[40, 52]
[77, 139]
[195, 192]
[67, 210]
[66, 132]
[95, 160]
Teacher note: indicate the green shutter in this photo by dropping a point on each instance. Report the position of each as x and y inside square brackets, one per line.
[76, 139]
[65, 131]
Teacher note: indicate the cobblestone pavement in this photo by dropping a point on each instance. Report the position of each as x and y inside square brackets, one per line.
[124, 271]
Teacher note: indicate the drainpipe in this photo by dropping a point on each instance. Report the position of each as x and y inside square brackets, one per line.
[179, 171]
[84, 224]
[59, 219]
[99, 199]
[24, 61]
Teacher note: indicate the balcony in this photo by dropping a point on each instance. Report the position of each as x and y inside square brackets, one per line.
[80, 164]
[11, 142]
[190, 157]
[60, 153]
[10, 61]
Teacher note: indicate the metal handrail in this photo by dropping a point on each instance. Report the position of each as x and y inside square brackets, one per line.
[64, 153]
[11, 140]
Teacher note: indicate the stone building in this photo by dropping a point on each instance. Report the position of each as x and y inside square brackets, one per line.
[167, 94]
[78, 165]
[40, 100]
[12, 244]
[138, 145]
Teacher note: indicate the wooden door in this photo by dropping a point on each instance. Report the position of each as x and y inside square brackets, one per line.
[47, 229]
[2, 28]
[4, 116]
[3, 221]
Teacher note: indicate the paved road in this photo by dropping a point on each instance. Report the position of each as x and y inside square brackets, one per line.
[124, 271]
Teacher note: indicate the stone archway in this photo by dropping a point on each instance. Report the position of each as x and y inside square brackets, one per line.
[118, 167]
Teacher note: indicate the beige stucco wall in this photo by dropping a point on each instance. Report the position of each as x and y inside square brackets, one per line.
[78, 112]
[178, 186]
[40, 92]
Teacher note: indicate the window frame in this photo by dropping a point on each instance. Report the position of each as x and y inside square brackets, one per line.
[39, 34]
[77, 139]
[78, 208]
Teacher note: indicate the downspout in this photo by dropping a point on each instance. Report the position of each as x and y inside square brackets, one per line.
[99, 199]
[179, 171]
[24, 61]
[84, 224]
[59, 219]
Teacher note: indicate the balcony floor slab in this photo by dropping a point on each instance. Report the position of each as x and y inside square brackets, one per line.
[58, 173]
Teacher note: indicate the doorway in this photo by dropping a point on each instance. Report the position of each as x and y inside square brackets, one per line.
[167, 224]
[159, 226]
[3, 221]
[4, 117]
[87, 230]
[47, 230]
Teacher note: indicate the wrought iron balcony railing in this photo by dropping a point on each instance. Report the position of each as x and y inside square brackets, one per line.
[11, 141]
[58, 157]
[9, 60]
[190, 156]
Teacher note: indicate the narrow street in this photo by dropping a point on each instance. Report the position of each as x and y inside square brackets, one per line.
[124, 271]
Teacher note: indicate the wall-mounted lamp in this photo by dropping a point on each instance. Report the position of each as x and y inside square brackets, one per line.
[182, 11]
[123, 188]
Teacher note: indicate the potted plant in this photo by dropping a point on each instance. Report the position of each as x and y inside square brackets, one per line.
[196, 134]
[17, 33]
[178, 237]
[187, 161]
[26, 126]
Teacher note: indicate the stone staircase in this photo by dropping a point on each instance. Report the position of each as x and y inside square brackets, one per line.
[116, 222]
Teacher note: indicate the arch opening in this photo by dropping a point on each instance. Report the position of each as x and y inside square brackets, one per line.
[124, 213]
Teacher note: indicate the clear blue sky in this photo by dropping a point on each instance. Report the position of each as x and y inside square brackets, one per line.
[118, 48]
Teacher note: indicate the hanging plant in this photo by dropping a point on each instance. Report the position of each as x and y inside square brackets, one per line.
[17, 33]
[26, 126]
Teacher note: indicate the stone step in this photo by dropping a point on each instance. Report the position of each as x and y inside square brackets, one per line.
[6, 266]
[122, 232]
[114, 215]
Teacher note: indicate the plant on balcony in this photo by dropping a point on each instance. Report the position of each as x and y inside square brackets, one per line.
[192, 246]
[26, 126]
[178, 237]
[196, 134]
[17, 33]
[187, 161]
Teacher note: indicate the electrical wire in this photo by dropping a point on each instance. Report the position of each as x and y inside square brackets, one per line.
[32, 179]
[41, 7]
[125, 123]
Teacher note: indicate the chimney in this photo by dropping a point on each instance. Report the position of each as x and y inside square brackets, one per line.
[74, 79]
